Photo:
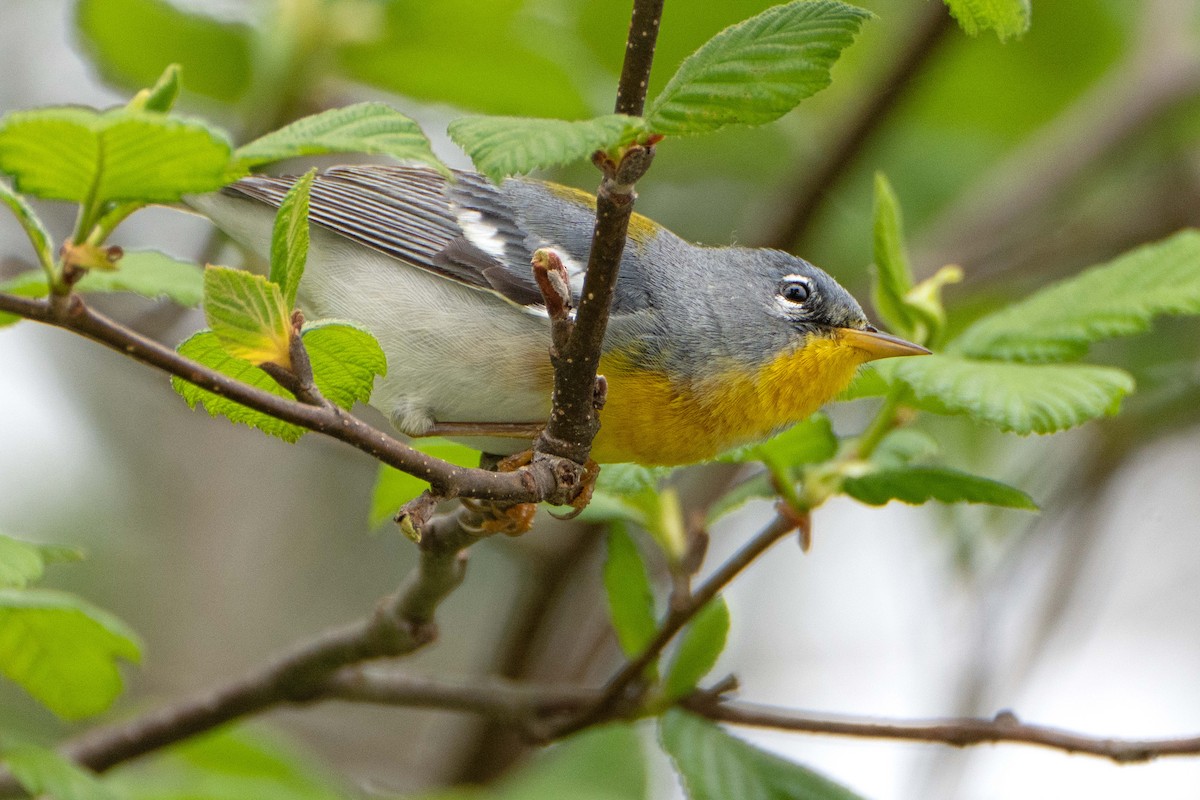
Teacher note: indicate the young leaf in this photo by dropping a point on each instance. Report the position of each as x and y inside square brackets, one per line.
[630, 596]
[34, 229]
[1006, 17]
[902, 447]
[373, 128]
[151, 274]
[162, 96]
[806, 442]
[206, 348]
[247, 314]
[394, 488]
[702, 642]
[62, 650]
[44, 773]
[289, 238]
[717, 766]
[917, 485]
[1018, 398]
[31, 283]
[1119, 298]
[758, 70]
[893, 276]
[757, 487]
[83, 155]
[131, 42]
[627, 492]
[345, 360]
[22, 563]
[503, 146]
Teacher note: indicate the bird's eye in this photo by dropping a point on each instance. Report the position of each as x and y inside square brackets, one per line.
[795, 289]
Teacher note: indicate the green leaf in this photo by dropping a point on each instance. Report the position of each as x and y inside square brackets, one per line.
[31, 283]
[247, 314]
[757, 487]
[151, 274]
[83, 155]
[22, 563]
[758, 70]
[131, 43]
[62, 650]
[44, 773]
[39, 237]
[630, 596]
[394, 488]
[1006, 17]
[373, 128]
[206, 348]
[1018, 398]
[162, 96]
[627, 492]
[289, 238]
[345, 360]
[806, 442]
[240, 763]
[902, 447]
[502, 146]
[1119, 298]
[917, 485]
[893, 276]
[717, 766]
[701, 644]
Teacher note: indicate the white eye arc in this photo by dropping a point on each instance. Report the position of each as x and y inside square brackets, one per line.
[795, 289]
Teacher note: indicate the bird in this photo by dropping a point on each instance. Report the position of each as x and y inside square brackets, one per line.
[707, 348]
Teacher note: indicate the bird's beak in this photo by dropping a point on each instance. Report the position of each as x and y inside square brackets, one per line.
[879, 345]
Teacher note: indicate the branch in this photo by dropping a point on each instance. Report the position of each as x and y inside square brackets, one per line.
[401, 624]
[817, 181]
[681, 612]
[574, 418]
[547, 480]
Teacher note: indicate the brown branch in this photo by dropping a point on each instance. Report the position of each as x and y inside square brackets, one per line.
[574, 418]
[401, 624]
[681, 612]
[548, 480]
[809, 192]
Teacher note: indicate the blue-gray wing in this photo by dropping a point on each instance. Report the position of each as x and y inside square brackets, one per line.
[465, 230]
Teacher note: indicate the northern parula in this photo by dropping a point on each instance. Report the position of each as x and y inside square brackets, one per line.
[707, 347]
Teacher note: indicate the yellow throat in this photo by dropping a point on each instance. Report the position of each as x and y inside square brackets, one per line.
[652, 419]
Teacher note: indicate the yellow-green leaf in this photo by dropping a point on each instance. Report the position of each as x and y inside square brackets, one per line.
[248, 315]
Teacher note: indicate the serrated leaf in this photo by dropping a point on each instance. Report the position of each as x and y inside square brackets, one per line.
[1018, 398]
[150, 274]
[247, 313]
[630, 596]
[345, 360]
[917, 485]
[44, 773]
[717, 766]
[79, 154]
[62, 650]
[373, 128]
[394, 488]
[1119, 298]
[806, 442]
[758, 70]
[893, 276]
[131, 43]
[162, 95]
[289, 238]
[39, 237]
[503, 146]
[22, 563]
[701, 644]
[1006, 17]
[206, 348]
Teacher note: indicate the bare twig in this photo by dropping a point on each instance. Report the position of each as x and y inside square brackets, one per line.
[401, 624]
[574, 417]
[547, 480]
[808, 193]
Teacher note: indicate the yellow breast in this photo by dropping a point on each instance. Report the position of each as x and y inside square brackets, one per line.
[654, 419]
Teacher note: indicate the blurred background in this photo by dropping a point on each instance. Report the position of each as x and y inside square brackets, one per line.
[1023, 162]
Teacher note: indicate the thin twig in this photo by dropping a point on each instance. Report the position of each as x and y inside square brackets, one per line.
[810, 191]
[543, 481]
